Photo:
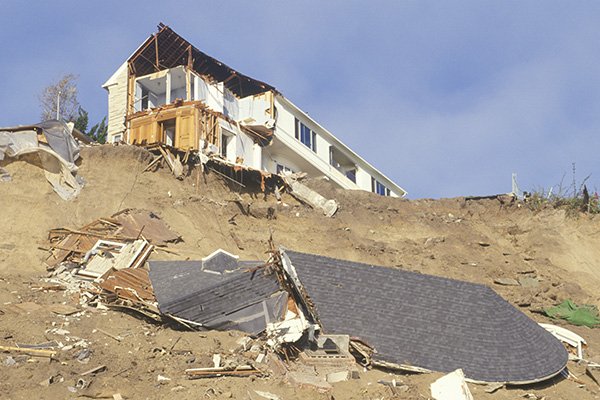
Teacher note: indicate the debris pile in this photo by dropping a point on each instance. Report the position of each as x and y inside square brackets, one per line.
[107, 256]
[297, 304]
[179, 162]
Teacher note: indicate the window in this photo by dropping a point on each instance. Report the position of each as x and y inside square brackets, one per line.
[379, 188]
[306, 136]
[281, 169]
[351, 174]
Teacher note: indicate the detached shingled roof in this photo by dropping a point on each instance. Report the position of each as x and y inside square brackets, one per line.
[218, 292]
[427, 321]
[166, 49]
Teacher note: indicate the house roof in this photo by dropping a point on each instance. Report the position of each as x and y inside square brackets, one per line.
[166, 49]
[426, 321]
[218, 293]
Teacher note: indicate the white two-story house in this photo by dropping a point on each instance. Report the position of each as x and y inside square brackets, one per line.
[170, 92]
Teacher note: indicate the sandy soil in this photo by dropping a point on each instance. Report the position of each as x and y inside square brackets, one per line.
[477, 241]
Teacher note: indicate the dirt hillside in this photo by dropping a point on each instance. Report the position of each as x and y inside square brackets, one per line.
[478, 241]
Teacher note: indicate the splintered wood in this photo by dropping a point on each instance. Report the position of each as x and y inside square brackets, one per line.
[124, 227]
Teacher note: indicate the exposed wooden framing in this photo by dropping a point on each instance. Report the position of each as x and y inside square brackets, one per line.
[190, 60]
[130, 93]
[151, 62]
[233, 75]
[194, 122]
[156, 51]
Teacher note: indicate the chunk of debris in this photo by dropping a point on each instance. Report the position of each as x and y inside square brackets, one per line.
[305, 380]
[593, 373]
[506, 282]
[568, 337]
[107, 255]
[267, 395]
[312, 198]
[451, 387]
[529, 281]
[125, 227]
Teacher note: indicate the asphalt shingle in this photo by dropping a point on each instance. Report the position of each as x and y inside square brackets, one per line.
[427, 321]
[199, 293]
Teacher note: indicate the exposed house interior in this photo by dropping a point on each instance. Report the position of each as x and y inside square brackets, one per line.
[170, 92]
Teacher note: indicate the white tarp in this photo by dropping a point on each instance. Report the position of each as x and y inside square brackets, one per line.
[57, 158]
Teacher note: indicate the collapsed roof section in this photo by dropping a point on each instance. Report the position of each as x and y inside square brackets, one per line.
[415, 320]
[166, 49]
[218, 292]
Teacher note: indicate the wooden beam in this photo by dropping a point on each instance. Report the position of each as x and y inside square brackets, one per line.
[31, 352]
[156, 51]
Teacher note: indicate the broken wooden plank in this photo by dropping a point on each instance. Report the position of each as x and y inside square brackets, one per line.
[153, 163]
[31, 352]
[213, 372]
[237, 240]
[116, 337]
[100, 368]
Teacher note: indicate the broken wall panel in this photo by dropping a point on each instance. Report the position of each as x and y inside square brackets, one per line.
[430, 322]
[131, 284]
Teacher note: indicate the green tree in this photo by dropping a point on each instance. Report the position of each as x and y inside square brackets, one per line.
[81, 123]
[99, 131]
[63, 95]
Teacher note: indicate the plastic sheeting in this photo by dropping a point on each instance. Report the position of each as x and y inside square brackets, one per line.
[61, 141]
[58, 156]
[14, 143]
[583, 315]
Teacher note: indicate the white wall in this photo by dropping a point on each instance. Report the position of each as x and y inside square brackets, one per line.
[244, 148]
[214, 97]
[117, 102]
[287, 114]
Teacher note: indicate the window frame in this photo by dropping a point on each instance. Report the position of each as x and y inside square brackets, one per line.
[305, 135]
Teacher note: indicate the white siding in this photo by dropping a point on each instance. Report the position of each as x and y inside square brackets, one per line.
[117, 103]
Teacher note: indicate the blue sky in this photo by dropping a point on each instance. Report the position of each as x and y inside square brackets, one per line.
[446, 98]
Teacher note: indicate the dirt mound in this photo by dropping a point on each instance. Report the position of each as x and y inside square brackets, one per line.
[552, 256]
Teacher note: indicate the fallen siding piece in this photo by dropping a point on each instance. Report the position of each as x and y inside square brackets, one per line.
[309, 196]
[451, 387]
[566, 336]
[113, 255]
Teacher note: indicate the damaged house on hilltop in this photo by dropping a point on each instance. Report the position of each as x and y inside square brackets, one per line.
[170, 92]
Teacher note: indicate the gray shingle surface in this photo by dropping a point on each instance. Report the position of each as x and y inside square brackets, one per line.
[186, 290]
[427, 321]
